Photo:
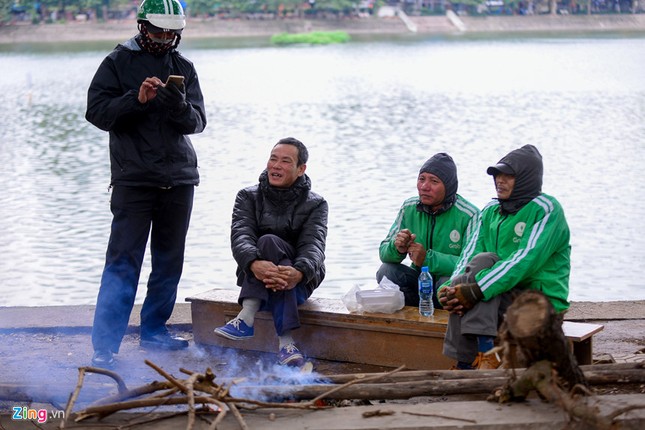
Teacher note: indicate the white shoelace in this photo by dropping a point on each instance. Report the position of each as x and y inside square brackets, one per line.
[291, 348]
[235, 322]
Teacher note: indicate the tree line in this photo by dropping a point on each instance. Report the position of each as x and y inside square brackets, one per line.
[61, 10]
[64, 10]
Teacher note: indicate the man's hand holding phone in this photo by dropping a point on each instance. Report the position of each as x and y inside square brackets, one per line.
[175, 79]
[173, 94]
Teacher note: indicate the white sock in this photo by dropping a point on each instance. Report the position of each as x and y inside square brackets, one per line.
[285, 339]
[250, 307]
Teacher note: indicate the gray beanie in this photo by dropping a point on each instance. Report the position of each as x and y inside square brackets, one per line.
[442, 166]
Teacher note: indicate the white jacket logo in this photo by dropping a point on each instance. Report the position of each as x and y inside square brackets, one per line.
[519, 228]
[455, 236]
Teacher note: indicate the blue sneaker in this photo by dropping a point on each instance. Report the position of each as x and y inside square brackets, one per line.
[290, 355]
[235, 329]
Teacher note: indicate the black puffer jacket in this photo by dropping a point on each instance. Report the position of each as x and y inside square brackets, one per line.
[295, 214]
[149, 145]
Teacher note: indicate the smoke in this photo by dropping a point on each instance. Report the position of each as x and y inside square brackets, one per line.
[250, 375]
[47, 360]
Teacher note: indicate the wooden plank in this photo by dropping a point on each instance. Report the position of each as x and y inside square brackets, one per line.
[577, 332]
[580, 336]
[329, 331]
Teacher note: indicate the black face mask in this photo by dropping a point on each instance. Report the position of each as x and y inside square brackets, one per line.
[156, 46]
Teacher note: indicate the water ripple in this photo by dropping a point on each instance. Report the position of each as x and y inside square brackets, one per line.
[370, 115]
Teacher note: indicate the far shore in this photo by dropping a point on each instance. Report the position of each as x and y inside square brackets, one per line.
[197, 28]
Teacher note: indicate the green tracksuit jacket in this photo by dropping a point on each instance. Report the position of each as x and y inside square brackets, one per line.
[443, 235]
[533, 246]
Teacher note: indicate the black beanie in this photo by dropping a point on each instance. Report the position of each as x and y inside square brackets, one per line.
[442, 166]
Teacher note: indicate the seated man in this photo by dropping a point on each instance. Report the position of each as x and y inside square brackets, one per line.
[278, 236]
[521, 242]
[430, 229]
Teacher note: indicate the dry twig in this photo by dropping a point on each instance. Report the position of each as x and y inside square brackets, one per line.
[73, 397]
[419, 414]
[201, 388]
[191, 400]
[356, 381]
[120, 384]
[238, 416]
[377, 413]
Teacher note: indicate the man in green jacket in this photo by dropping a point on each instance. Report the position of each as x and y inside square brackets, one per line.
[430, 229]
[521, 242]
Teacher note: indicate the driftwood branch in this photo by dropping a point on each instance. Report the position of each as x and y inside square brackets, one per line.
[152, 387]
[444, 382]
[210, 393]
[597, 374]
[419, 414]
[220, 396]
[532, 332]
[115, 376]
[355, 381]
[373, 391]
[238, 416]
[542, 378]
[73, 397]
[220, 416]
[169, 377]
[81, 376]
[140, 422]
[191, 400]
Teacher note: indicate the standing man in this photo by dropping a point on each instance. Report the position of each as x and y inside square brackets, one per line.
[430, 229]
[278, 237]
[153, 174]
[521, 242]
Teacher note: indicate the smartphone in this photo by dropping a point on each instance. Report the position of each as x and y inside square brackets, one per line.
[175, 79]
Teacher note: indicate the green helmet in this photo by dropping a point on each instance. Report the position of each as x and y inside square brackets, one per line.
[162, 13]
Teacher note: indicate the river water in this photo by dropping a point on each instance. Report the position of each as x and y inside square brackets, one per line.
[370, 113]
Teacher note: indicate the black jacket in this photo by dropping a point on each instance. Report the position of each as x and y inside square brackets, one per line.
[295, 214]
[148, 144]
[526, 162]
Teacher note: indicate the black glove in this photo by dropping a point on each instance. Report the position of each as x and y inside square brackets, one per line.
[468, 295]
[172, 96]
[442, 296]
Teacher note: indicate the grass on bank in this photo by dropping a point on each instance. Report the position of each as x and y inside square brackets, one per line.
[313, 38]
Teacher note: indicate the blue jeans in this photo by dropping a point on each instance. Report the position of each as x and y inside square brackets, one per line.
[283, 304]
[140, 213]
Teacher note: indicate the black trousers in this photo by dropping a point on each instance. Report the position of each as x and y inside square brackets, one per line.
[140, 213]
[407, 278]
[484, 319]
[283, 305]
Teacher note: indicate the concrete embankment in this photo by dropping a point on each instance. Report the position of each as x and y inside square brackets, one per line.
[215, 28]
[43, 347]
[556, 23]
[81, 316]
[623, 336]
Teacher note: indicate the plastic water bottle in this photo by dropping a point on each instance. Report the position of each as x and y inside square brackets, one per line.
[426, 307]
